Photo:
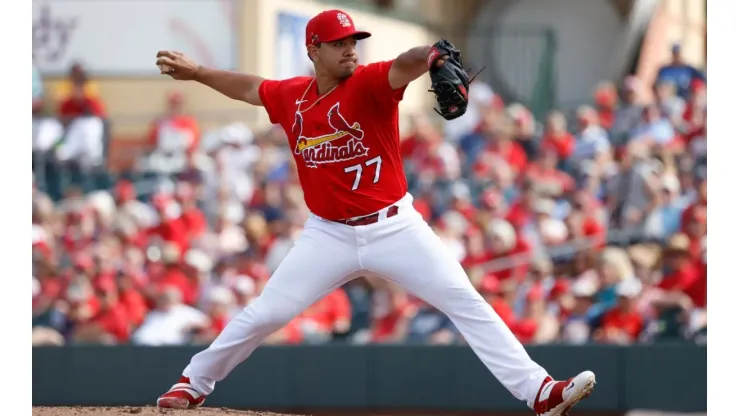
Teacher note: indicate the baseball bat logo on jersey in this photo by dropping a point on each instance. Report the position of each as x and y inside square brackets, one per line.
[319, 150]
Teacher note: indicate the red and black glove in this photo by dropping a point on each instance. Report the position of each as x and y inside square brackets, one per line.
[450, 81]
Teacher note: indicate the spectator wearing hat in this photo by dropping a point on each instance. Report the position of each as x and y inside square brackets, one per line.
[680, 271]
[681, 289]
[606, 101]
[197, 266]
[219, 305]
[577, 327]
[680, 73]
[505, 244]
[245, 291]
[622, 324]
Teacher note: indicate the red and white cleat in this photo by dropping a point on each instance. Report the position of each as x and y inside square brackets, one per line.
[181, 396]
[556, 398]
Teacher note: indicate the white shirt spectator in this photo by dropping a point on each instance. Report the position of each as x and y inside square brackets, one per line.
[84, 142]
[590, 142]
[169, 327]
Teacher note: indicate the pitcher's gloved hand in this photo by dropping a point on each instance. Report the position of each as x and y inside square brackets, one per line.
[450, 81]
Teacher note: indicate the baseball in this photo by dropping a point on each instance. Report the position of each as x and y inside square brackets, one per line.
[165, 68]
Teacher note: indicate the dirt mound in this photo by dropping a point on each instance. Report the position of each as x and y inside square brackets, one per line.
[143, 411]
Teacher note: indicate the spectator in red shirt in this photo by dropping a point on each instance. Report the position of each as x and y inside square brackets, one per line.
[681, 273]
[391, 311]
[622, 324]
[606, 100]
[111, 324]
[80, 104]
[131, 299]
[490, 288]
[698, 207]
[557, 135]
[422, 132]
[524, 132]
[544, 171]
[169, 229]
[476, 251]
[499, 144]
[192, 218]
[537, 325]
[330, 315]
[174, 276]
[175, 131]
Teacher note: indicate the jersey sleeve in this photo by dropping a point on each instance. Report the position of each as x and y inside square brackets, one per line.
[270, 92]
[375, 80]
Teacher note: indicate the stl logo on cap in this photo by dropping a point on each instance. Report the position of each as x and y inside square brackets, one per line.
[343, 20]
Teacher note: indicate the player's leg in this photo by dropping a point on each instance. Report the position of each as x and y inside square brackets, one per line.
[323, 258]
[406, 251]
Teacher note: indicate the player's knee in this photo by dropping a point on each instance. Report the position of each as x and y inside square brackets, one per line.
[269, 317]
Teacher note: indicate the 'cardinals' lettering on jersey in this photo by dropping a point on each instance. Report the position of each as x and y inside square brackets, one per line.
[317, 150]
[346, 146]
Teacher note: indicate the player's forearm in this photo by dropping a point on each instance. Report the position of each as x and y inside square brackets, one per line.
[409, 66]
[414, 61]
[237, 86]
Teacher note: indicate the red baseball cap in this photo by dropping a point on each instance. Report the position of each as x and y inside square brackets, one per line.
[331, 25]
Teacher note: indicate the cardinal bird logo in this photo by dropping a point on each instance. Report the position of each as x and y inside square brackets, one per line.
[319, 150]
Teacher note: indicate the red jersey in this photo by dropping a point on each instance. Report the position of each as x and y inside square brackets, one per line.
[346, 145]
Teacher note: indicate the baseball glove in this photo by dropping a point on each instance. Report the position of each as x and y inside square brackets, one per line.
[450, 81]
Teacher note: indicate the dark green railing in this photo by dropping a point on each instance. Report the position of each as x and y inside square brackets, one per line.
[339, 377]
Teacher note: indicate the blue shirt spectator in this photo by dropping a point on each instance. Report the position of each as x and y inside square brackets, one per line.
[653, 127]
[680, 73]
[428, 324]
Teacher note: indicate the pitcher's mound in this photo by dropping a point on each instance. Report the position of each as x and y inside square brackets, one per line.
[143, 411]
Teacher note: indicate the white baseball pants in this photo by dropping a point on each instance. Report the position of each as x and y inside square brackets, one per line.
[402, 249]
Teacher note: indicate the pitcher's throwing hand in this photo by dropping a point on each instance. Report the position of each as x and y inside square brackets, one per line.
[176, 65]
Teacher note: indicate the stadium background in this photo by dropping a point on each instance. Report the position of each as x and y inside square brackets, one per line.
[574, 191]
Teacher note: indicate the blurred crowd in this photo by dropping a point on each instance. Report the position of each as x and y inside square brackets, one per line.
[583, 226]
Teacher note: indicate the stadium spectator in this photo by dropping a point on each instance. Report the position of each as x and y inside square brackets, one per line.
[175, 131]
[171, 322]
[682, 75]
